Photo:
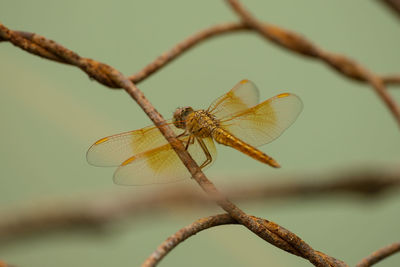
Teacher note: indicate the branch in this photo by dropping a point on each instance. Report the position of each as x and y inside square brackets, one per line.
[279, 235]
[379, 255]
[301, 45]
[111, 77]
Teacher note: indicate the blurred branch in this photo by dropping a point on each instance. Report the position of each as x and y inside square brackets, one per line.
[379, 255]
[391, 79]
[3, 264]
[96, 211]
[394, 5]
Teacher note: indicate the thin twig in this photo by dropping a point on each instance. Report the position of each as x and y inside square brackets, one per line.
[379, 255]
[95, 211]
[391, 79]
[301, 45]
[183, 234]
[185, 45]
[113, 78]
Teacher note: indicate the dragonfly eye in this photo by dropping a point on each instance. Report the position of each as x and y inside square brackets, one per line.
[187, 111]
[180, 115]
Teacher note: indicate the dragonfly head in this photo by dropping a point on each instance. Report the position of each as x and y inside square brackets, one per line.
[180, 115]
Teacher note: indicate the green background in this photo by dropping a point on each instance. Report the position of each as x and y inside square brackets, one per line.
[51, 113]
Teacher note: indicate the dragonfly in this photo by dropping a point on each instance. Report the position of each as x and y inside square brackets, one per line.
[236, 119]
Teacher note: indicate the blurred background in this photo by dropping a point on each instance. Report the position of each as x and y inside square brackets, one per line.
[51, 113]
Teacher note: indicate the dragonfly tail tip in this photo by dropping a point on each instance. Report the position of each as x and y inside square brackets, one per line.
[274, 164]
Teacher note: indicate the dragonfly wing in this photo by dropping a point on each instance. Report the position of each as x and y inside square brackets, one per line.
[265, 122]
[113, 150]
[241, 97]
[161, 164]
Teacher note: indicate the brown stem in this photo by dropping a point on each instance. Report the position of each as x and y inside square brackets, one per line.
[379, 255]
[391, 79]
[394, 6]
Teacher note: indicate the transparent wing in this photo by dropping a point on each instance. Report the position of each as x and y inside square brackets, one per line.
[161, 164]
[265, 122]
[241, 97]
[113, 150]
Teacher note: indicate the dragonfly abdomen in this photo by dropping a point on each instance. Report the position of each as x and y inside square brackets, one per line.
[225, 138]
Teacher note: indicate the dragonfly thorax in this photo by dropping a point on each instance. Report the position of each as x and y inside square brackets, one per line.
[199, 123]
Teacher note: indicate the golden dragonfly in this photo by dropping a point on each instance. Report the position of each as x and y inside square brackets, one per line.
[235, 119]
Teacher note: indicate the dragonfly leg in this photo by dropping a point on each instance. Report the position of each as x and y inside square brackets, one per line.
[206, 152]
[189, 142]
[182, 134]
